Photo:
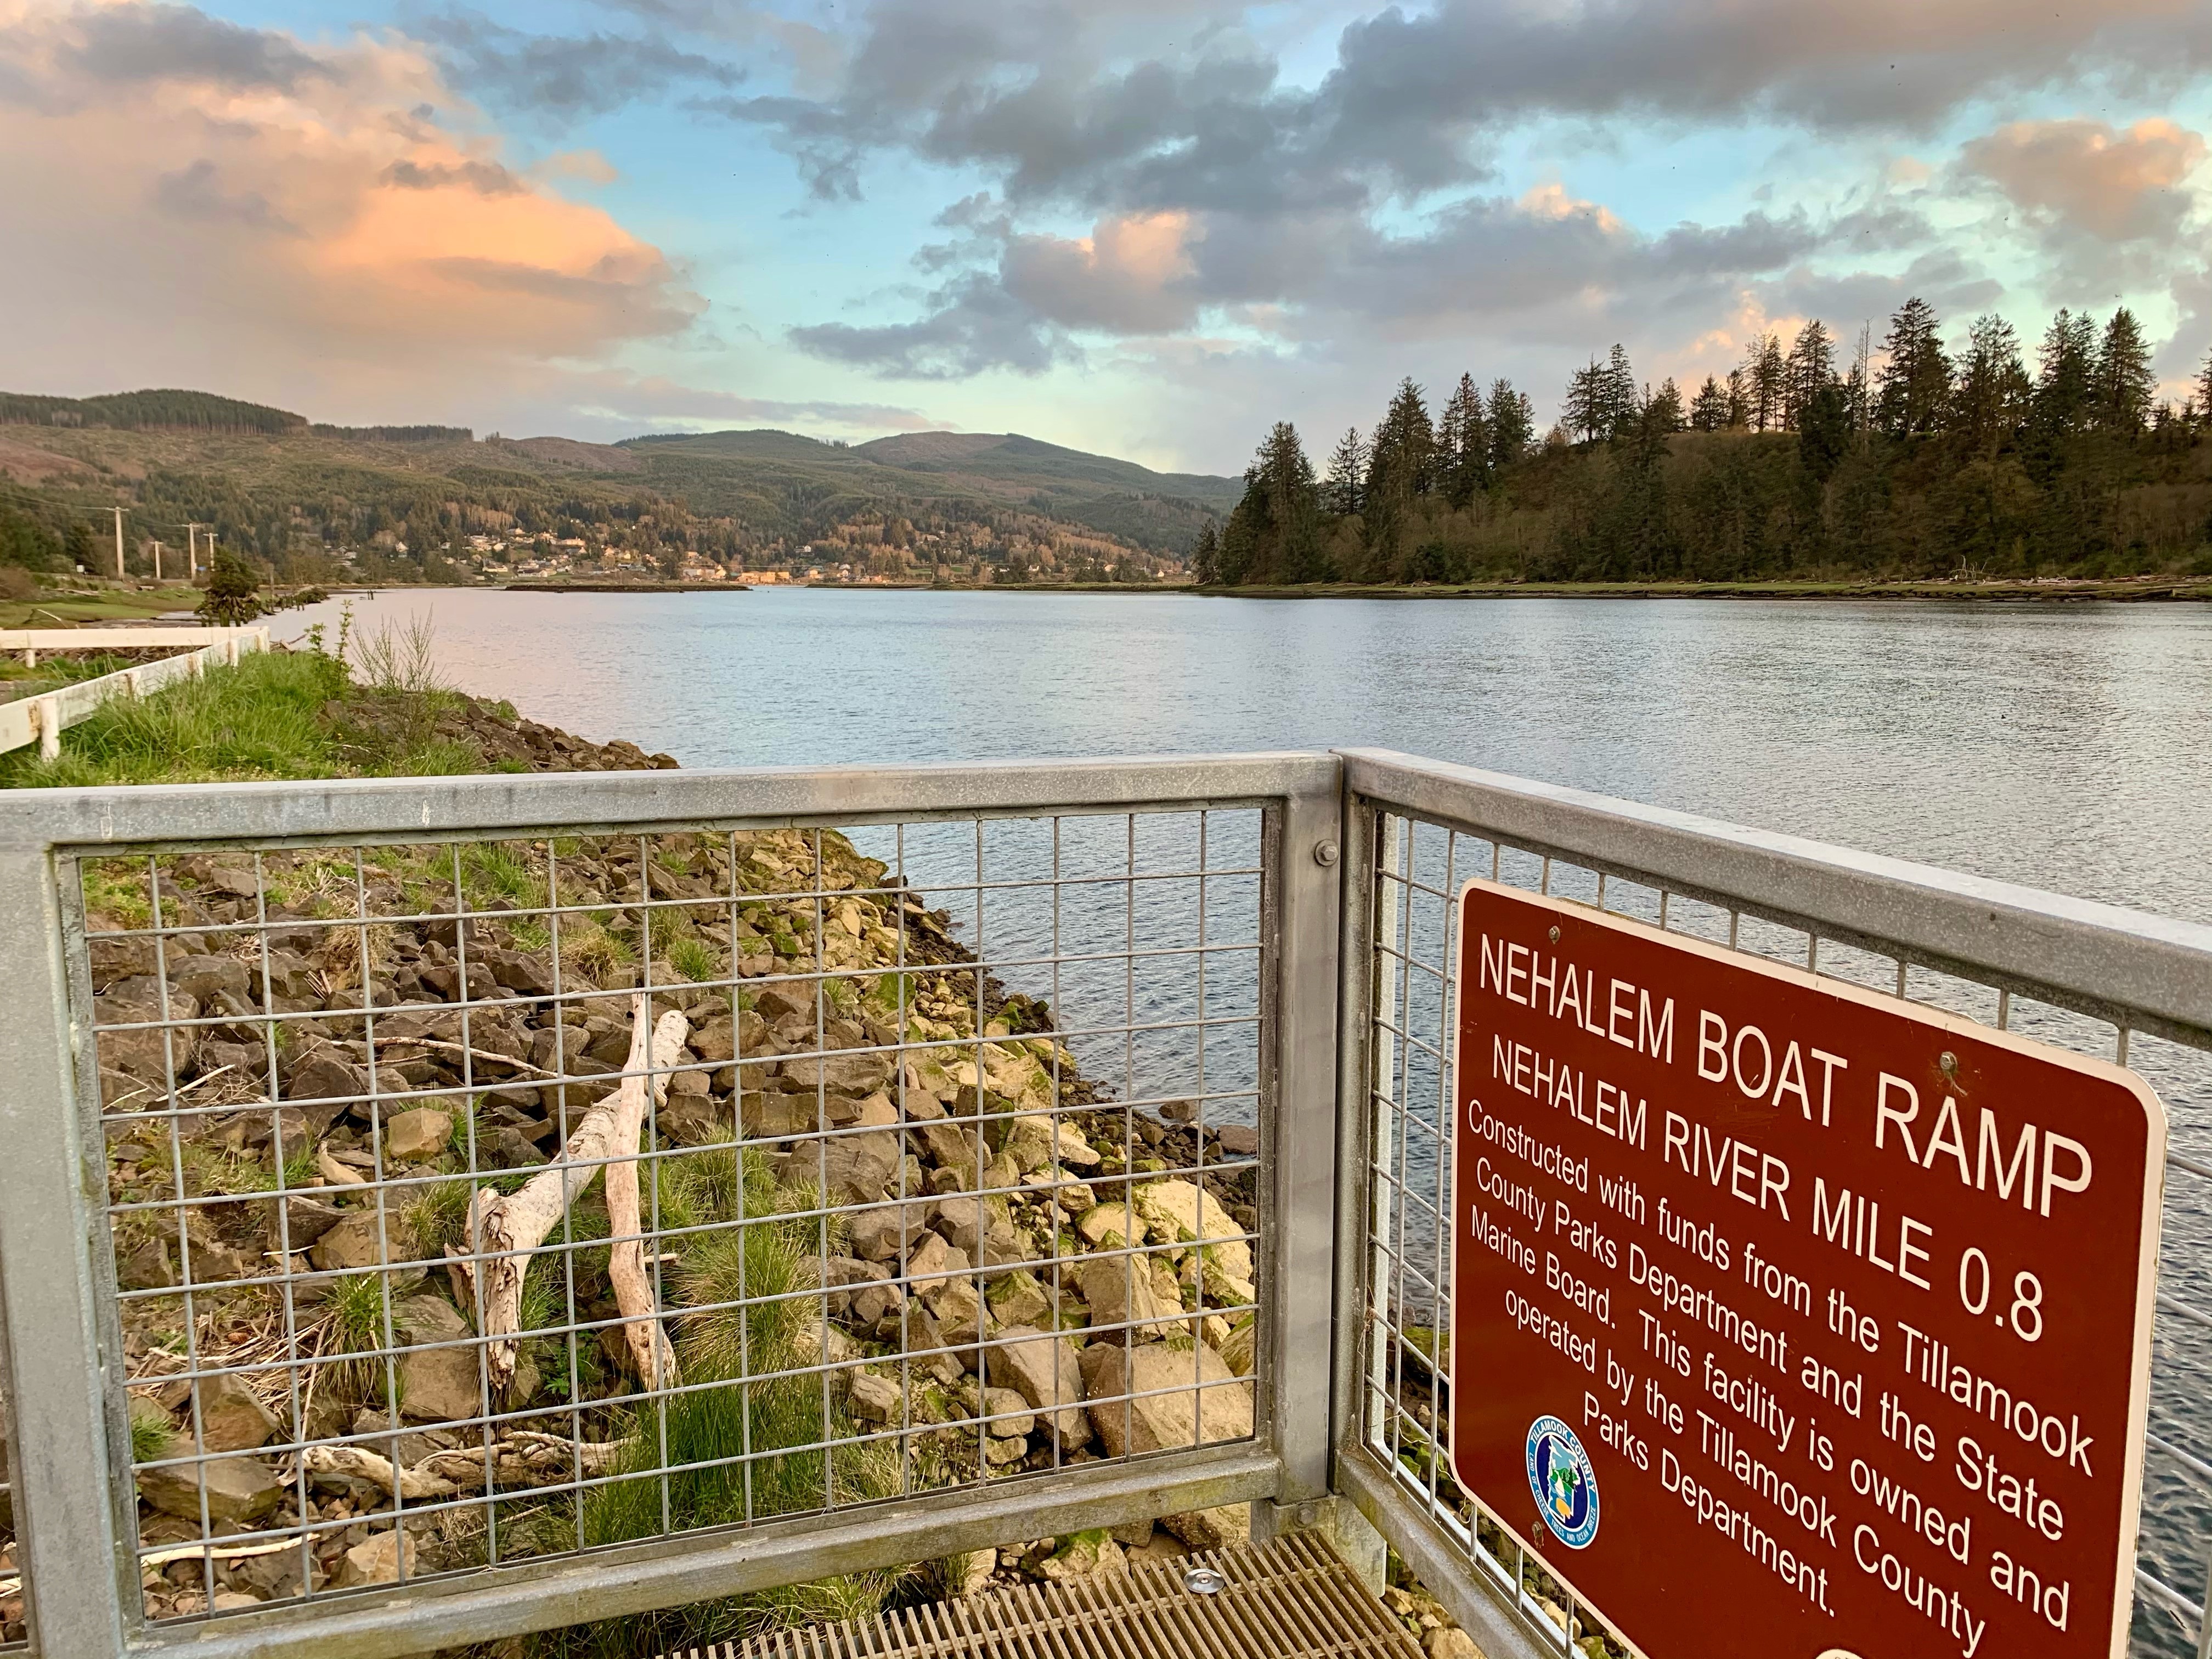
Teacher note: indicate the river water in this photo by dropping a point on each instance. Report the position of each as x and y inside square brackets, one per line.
[2065, 746]
[2061, 746]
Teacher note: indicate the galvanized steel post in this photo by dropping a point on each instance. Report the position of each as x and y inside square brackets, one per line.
[52, 1189]
[1303, 884]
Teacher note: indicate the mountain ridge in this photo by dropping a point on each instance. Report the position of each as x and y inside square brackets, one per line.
[276, 481]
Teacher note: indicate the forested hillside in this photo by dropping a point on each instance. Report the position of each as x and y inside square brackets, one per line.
[1913, 460]
[401, 503]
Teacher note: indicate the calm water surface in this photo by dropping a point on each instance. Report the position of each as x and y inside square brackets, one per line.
[2066, 747]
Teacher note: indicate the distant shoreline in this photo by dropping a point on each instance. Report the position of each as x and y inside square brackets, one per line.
[2184, 589]
[2132, 590]
[625, 587]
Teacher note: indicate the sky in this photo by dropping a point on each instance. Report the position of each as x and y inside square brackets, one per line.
[1135, 227]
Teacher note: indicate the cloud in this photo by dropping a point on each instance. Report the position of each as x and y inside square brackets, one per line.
[1131, 276]
[1077, 102]
[170, 43]
[2083, 176]
[562, 77]
[662, 403]
[196, 194]
[485, 178]
[973, 326]
[1545, 265]
[324, 241]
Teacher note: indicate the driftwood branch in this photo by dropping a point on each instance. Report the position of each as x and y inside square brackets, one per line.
[463, 1050]
[505, 1231]
[523, 1460]
[650, 1355]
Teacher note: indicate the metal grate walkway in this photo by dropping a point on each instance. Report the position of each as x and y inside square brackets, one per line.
[1289, 1600]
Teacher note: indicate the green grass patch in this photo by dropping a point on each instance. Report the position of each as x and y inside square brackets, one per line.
[259, 720]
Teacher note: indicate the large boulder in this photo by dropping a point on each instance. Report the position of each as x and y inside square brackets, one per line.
[378, 1561]
[1040, 1367]
[1119, 1291]
[418, 1135]
[1179, 1212]
[205, 977]
[358, 1241]
[145, 1056]
[240, 1491]
[839, 1073]
[723, 1040]
[437, 1384]
[1155, 1397]
[880, 1233]
[231, 1418]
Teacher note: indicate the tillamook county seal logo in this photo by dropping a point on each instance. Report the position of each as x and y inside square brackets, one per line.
[1563, 1482]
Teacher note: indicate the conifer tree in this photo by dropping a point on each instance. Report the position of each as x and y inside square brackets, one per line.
[1273, 534]
[1401, 469]
[1206, 556]
[1347, 483]
[1662, 409]
[1993, 391]
[1620, 405]
[1766, 376]
[1739, 401]
[1586, 410]
[2125, 384]
[1512, 425]
[2066, 384]
[1401, 462]
[1915, 380]
[1709, 411]
[1809, 367]
[233, 597]
[1463, 445]
[2204, 390]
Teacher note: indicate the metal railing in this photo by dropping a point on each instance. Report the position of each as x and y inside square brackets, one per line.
[2112, 982]
[437, 1210]
[440, 1210]
[43, 719]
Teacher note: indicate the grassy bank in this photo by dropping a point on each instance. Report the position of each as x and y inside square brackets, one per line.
[119, 605]
[264, 719]
[302, 715]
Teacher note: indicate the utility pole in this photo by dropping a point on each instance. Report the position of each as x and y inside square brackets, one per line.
[192, 549]
[157, 561]
[119, 542]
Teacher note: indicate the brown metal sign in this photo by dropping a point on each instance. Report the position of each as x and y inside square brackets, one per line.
[1790, 1320]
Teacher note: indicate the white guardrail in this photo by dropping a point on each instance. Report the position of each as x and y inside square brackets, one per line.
[41, 719]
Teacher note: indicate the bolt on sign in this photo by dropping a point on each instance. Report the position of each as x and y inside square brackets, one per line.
[1790, 1320]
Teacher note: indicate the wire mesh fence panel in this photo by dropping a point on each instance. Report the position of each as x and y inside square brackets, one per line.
[476, 1202]
[1404, 1411]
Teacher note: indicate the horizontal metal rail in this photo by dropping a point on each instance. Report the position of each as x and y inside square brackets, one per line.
[94, 637]
[179, 817]
[2153, 972]
[42, 720]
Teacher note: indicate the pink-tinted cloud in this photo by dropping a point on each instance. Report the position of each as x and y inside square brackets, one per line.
[2085, 176]
[1130, 276]
[246, 211]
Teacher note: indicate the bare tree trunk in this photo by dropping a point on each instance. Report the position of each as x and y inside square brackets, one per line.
[504, 1232]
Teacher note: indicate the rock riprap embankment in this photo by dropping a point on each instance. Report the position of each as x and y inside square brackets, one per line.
[865, 1161]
